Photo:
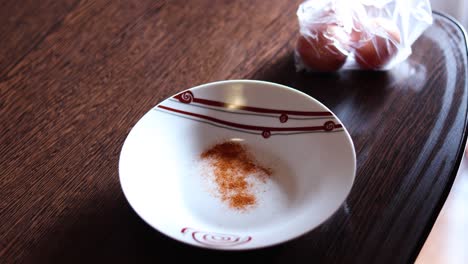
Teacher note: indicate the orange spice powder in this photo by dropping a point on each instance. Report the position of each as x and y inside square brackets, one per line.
[232, 164]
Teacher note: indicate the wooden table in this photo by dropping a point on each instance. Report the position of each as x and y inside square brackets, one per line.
[75, 76]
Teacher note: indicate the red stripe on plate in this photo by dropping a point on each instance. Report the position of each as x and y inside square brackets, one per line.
[188, 97]
[328, 126]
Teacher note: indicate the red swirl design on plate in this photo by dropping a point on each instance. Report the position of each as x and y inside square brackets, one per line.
[266, 134]
[329, 126]
[284, 118]
[185, 97]
[214, 239]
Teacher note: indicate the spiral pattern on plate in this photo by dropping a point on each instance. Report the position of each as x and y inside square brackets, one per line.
[215, 239]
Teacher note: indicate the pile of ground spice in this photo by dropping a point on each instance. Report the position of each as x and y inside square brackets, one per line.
[232, 164]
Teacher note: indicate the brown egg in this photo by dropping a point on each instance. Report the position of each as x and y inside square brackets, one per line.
[377, 51]
[319, 53]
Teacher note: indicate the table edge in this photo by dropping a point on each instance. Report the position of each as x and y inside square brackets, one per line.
[460, 153]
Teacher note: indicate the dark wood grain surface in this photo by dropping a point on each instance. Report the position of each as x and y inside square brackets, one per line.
[75, 76]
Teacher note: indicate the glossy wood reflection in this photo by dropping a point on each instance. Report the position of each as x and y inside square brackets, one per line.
[76, 76]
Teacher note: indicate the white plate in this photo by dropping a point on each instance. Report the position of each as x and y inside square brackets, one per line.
[311, 154]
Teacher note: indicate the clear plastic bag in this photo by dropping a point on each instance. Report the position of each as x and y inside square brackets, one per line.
[359, 34]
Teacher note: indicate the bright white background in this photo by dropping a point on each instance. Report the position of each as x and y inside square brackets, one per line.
[455, 8]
